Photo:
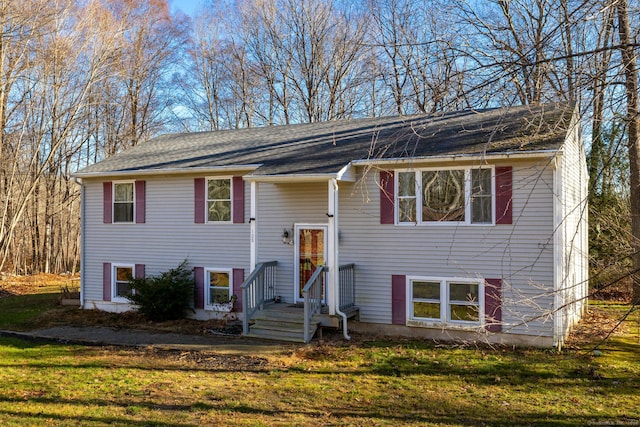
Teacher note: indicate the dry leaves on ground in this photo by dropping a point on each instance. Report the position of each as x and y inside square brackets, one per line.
[595, 326]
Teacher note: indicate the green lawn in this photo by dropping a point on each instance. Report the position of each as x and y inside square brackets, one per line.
[359, 383]
[18, 313]
[365, 383]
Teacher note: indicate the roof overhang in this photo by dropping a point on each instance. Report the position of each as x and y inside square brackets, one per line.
[166, 171]
[344, 174]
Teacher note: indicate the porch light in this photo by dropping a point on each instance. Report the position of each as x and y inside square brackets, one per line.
[287, 236]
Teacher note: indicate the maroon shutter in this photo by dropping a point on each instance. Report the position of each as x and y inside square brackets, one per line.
[504, 197]
[238, 200]
[493, 304]
[140, 202]
[198, 275]
[106, 281]
[199, 201]
[107, 202]
[387, 198]
[398, 299]
[238, 279]
[139, 271]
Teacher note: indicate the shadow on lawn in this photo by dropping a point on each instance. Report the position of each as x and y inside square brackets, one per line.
[511, 368]
[433, 410]
[46, 418]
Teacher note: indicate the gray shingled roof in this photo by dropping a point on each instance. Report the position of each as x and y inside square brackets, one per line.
[325, 148]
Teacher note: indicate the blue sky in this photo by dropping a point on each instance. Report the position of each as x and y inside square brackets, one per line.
[187, 6]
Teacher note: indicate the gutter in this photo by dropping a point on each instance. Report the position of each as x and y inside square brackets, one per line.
[290, 178]
[456, 157]
[168, 171]
[82, 238]
[344, 174]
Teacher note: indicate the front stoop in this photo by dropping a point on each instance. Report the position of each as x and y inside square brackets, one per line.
[281, 325]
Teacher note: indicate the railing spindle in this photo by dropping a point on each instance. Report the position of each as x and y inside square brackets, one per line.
[347, 286]
[257, 289]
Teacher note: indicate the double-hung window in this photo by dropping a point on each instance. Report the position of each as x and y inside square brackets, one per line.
[219, 200]
[407, 199]
[481, 196]
[123, 201]
[218, 286]
[121, 288]
[443, 300]
[456, 195]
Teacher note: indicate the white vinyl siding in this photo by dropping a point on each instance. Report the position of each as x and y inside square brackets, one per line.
[520, 253]
[572, 240]
[168, 237]
[281, 206]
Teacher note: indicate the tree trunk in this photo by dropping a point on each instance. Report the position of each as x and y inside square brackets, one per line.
[633, 125]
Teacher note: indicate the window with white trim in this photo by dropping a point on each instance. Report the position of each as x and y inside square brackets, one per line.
[219, 203]
[218, 288]
[123, 201]
[444, 300]
[120, 287]
[455, 195]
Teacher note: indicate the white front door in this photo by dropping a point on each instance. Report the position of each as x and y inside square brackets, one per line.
[310, 253]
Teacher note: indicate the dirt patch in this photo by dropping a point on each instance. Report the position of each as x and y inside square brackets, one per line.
[73, 316]
[596, 325]
[194, 359]
[210, 360]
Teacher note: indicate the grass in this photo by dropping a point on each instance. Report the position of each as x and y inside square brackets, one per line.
[363, 382]
[20, 312]
[368, 383]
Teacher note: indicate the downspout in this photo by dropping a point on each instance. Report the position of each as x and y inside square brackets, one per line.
[82, 238]
[253, 245]
[335, 270]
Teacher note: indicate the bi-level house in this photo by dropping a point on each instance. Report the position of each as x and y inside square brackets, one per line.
[468, 226]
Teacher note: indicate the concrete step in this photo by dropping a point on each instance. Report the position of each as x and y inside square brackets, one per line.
[271, 335]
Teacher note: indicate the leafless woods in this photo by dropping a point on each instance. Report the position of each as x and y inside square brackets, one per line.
[83, 80]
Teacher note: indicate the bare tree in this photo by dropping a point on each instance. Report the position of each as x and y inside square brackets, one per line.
[48, 105]
[148, 41]
[633, 138]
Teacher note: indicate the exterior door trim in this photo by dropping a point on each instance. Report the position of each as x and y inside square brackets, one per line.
[296, 255]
